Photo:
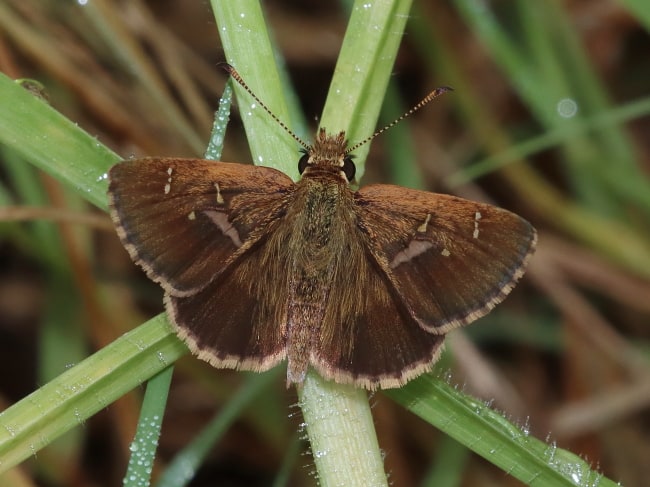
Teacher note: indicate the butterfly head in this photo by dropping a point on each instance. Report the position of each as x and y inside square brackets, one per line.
[328, 154]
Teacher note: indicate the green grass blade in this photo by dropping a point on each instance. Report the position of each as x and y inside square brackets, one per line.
[490, 435]
[248, 48]
[360, 80]
[221, 118]
[144, 445]
[86, 388]
[398, 143]
[53, 143]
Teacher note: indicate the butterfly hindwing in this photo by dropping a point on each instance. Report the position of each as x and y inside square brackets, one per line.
[185, 221]
[450, 260]
[233, 322]
[377, 344]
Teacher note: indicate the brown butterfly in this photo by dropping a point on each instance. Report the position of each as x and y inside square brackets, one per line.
[362, 286]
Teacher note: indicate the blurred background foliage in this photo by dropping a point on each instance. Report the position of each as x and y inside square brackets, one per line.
[549, 118]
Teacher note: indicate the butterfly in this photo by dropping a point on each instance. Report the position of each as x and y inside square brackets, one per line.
[361, 285]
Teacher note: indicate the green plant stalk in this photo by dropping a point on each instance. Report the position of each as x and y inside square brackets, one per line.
[363, 69]
[248, 48]
[88, 387]
[221, 118]
[341, 433]
[144, 445]
[399, 144]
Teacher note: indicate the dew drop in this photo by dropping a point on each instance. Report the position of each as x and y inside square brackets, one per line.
[567, 108]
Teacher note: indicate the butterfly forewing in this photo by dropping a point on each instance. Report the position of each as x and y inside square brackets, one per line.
[450, 260]
[185, 221]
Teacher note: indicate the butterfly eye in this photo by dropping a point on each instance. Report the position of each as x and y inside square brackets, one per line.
[349, 168]
[303, 163]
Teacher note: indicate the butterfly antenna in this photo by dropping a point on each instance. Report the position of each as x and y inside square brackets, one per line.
[434, 94]
[237, 77]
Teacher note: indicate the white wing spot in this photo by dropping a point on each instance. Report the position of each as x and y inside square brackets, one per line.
[415, 248]
[423, 228]
[191, 216]
[221, 220]
[445, 253]
[168, 186]
[220, 200]
[477, 217]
